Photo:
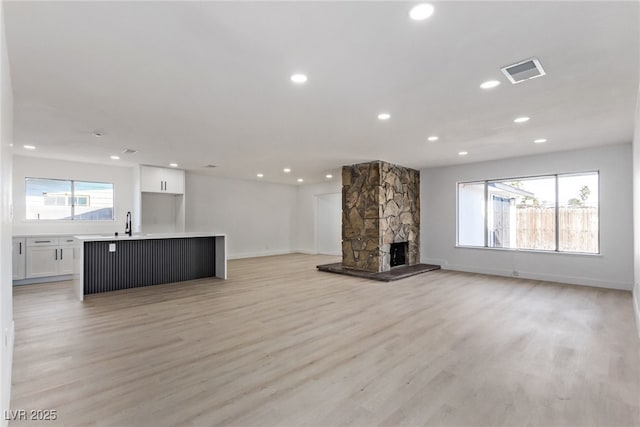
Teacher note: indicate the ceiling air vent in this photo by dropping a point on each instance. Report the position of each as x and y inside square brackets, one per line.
[210, 166]
[523, 70]
[129, 151]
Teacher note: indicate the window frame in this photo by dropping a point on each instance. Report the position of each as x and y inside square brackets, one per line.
[556, 177]
[71, 197]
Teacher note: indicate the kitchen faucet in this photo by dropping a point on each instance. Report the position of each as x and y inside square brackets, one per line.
[127, 227]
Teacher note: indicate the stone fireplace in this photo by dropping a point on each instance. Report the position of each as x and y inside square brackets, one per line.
[380, 208]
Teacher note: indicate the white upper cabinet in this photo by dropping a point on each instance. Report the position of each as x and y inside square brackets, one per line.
[151, 179]
[161, 180]
[174, 181]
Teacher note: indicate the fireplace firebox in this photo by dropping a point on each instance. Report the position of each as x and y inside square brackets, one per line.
[398, 254]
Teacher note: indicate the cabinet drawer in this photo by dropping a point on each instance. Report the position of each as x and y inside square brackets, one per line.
[42, 241]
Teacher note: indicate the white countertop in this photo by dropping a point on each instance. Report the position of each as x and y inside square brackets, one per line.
[144, 236]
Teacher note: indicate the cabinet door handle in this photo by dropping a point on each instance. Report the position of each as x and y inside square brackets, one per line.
[56, 254]
[160, 185]
[20, 250]
[61, 252]
[42, 241]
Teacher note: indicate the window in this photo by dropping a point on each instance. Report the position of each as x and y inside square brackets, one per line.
[578, 214]
[549, 213]
[471, 214]
[55, 199]
[522, 213]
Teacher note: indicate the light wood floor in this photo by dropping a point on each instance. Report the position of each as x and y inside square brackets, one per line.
[281, 344]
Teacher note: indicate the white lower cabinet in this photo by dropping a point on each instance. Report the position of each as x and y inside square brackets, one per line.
[42, 261]
[44, 257]
[66, 259]
[19, 258]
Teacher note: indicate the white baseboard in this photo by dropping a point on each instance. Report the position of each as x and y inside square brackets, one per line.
[272, 253]
[636, 306]
[258, 254]
[6, 372]
[310, 252]
[49, 279]
[306, 252]
[572, 280]
[441, 262]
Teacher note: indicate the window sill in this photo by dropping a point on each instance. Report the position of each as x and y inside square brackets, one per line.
[66, 221]
[533, 251]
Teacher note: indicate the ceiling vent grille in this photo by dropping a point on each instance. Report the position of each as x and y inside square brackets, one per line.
[523, 70]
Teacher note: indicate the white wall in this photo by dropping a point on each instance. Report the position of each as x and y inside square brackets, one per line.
[306, 213]
[329, 224]
[613, 268]
[259, 218]
[636, 213]
[6, 293]
[121, 177]
[159, 212]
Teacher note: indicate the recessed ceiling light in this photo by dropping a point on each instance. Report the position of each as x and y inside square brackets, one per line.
[421, 12]
[286, 170]
[328, 176]
[299, 78]
[462, 153]
[490, 84]
[432, 138]
[29, 147]
[521, 120]
[260, 175]
[115, 157]
[173, 165]
[300, 180]
[540, 141]
[384, 116]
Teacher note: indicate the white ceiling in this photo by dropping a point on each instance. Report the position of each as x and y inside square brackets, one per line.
[208, 83]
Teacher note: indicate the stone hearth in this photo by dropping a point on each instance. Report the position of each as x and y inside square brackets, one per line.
[380, 206]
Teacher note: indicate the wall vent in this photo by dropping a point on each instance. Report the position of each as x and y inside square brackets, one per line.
[523, 70]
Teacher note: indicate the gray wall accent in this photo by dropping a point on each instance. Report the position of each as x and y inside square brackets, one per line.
[146, 262]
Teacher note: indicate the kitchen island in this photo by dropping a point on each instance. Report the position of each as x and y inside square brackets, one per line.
[104, 263]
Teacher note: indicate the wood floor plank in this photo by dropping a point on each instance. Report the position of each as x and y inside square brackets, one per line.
[280, 343]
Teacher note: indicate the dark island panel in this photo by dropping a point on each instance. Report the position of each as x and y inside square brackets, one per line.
[137, 263]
